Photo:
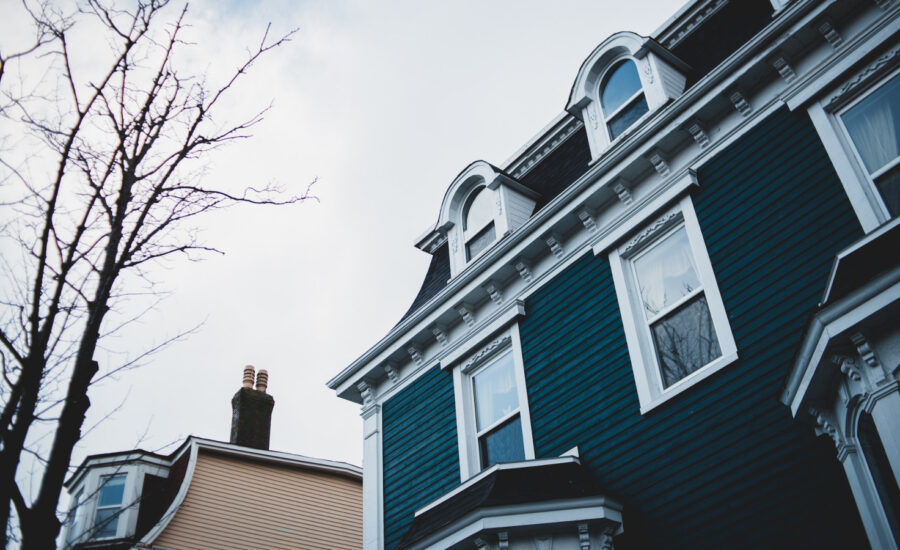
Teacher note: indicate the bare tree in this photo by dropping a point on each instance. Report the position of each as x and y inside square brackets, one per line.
[113, 188]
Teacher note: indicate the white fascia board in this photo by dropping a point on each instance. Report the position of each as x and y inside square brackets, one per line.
[554, 512]
[112, 459]
[830, 322]
[666, 121]
[537, 142]
[280, 458]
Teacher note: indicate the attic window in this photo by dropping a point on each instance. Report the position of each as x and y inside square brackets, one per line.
[622, 98]
[478, 223]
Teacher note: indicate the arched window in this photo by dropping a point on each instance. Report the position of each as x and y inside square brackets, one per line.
[622, 98]
[478, 222]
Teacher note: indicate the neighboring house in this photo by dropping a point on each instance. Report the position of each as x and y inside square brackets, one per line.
[632, 332]
[209, 494]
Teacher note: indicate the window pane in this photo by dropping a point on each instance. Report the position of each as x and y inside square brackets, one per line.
[685, 340]
[495, 392]
[874, 125]
[112, 491]
[889, 186]
[478, 211]
[622, 83]
[666, 273]
[480, 241]
[107, 522]
[626, 118]
[503, 444]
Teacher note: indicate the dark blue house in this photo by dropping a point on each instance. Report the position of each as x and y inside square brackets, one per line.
[672, 319]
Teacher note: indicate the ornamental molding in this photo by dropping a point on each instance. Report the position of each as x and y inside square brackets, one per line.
[440, 334]
[416, 355]
[606, 538]
[880, 64]
[825, 426]
[365, 391]
[623, 193]
[493, 290]
[587, 219]
[544, 147]
[584, 537]
[659, 162]
[660, 224]
[524, 270]
[481, 356]
[784, 69]
[740, 103]
[678, 32]
[391, 372]
[503, 540]
[543, 542]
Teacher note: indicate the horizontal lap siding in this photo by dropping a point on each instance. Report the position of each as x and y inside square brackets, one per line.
[722, 465]
[241, 504]
[421, 460]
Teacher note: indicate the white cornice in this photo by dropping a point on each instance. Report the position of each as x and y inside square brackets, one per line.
[666, 121]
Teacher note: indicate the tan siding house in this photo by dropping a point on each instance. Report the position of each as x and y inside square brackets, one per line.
[238, 504]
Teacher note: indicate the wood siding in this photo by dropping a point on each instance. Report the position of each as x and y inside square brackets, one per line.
[421, 460]
[723, 465]
[240, 504]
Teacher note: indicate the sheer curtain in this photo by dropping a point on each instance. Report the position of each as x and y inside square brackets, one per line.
[495, 392]
[873, 126]
[666, 273]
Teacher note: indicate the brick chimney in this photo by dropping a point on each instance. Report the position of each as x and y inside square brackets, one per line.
[251, 411]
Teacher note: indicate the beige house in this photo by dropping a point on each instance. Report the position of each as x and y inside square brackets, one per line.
[210, 494]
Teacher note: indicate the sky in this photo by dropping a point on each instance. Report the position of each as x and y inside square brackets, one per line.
[383, 102]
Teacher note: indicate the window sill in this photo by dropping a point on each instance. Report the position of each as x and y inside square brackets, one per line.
[690, 381]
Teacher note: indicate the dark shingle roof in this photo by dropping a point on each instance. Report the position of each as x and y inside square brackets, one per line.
[523, 485]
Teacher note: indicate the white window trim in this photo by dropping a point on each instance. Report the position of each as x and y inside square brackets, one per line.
[859, 186]
[642, 92]
[121, 507]
[469, 456]
[641, 349]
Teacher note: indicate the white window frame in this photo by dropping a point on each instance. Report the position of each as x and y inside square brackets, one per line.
[121, 507]
[469, 233]
[642, 92]
[864, 196]
[506, 341]
[641, 349]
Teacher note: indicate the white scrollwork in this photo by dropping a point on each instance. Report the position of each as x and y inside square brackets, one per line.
[584, 537]
[485, 353]
[873, 67]
[660, 224]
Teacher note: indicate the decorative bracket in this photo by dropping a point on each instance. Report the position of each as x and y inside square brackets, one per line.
[697, 132]
[494, 292]
[584, 537]
[659, 162]
[365, 391]
[524, 270]
[466, 313]
[392, 373]
[555, 243]
[784, 69]
[587, 219]
[503, 540]
[740, 103]
[415, 354]
[439, 334]
[830, 33]
[623, 193]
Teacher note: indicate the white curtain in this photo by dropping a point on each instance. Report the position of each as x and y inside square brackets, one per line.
[666, 273]
[873, 126]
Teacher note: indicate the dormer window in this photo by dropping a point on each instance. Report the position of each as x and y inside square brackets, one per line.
[482, 206]
[109, 505]
[622, 98]
[478, 222]
[625, 79]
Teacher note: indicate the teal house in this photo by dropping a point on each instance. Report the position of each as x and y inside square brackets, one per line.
[672, 318]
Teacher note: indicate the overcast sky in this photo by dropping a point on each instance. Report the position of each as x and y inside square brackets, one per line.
[384, 103]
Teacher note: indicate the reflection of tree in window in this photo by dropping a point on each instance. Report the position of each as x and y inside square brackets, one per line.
[497, 420]
[478, 222]
[675, 308]
[622, 98]
[874, 128]
[109, 503]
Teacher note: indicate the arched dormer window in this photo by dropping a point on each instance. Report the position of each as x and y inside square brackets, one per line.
[478, 222]
[622, 98]
[625, 78]
[481, 206]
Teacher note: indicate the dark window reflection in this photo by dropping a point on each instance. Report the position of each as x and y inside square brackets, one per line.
[503, 444]
[685, 340]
